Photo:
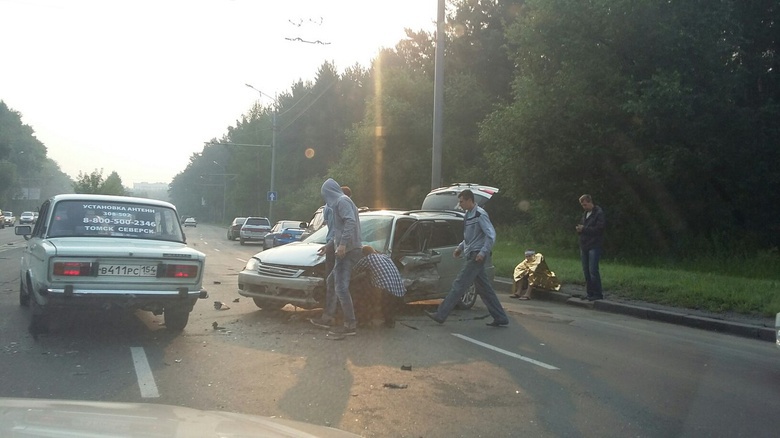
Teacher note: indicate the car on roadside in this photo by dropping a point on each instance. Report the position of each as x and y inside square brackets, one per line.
[8, 218]
[284, 232]
[316, 222]
[419, 242]
[190, 222]
[108, 252]
[254, 229]
[27, 217]
[234, 229]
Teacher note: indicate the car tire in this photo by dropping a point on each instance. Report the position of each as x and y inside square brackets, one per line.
[241, 241]
[176, 318]
[468, 299]
[269, 304]
[24, 296]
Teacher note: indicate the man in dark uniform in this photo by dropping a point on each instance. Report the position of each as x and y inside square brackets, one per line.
[591, 232]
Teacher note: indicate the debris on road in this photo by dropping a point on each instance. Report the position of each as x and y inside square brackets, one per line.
[219, 305]
[406, 367]
[235, 300]
[396, 385]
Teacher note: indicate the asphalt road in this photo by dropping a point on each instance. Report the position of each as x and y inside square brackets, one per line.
[556, 371]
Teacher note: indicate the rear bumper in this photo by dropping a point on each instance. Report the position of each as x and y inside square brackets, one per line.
[154, 300]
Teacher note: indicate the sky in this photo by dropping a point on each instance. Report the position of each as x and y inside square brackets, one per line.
[138, 86]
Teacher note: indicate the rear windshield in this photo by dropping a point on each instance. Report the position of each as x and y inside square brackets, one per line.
[114, 219]
[448, 201]
[258, 221]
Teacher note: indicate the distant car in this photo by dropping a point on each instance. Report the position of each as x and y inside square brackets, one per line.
[254, 228]
[284, 232]
[27, 217]
[234, 229]
[9, 218]
[190, 222]
[316, 222]
[107, 252]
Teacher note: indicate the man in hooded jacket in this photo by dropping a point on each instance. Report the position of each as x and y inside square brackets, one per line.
[346, 242]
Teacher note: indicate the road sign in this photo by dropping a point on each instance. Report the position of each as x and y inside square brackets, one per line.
[272, 196]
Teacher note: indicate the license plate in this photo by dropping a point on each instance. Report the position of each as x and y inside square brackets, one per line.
[128, 270]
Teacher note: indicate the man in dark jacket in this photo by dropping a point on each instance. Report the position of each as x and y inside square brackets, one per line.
[591, 231]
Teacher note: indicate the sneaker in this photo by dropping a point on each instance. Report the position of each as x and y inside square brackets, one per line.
[322, 323]
[342, 331]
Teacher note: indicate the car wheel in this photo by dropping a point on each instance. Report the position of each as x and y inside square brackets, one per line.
[269, 304]
[24, 296]
[176, 318]
[241, 240]
[468, 299]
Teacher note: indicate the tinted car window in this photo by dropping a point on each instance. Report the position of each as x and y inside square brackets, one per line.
[446, 233]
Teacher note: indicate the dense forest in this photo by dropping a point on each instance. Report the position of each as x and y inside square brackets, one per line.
[666, 112]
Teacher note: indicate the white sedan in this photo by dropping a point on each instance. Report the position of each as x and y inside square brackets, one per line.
[105, 252]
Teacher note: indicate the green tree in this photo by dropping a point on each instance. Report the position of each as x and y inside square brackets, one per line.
[113, 185]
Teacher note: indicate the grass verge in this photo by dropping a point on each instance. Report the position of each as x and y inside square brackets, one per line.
[737, 289]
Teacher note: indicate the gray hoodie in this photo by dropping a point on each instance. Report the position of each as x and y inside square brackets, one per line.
[346, 226]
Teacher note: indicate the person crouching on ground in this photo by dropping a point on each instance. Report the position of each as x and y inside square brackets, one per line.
[384, 276]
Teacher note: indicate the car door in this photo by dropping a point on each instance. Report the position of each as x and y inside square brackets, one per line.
[418, 264]
[35, 253]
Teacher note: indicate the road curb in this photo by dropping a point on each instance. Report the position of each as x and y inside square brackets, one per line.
[671, 317]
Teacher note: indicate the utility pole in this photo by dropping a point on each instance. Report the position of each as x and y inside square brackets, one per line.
[438, 100]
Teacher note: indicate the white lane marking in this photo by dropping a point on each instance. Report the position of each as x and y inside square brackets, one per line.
[240, 260]
[508, 353]
[144, 373]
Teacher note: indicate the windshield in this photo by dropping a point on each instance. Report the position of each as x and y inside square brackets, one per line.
[114, 219]
[374, 231]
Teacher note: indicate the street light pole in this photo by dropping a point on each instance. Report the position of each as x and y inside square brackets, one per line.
[272, 195]
[224, 189]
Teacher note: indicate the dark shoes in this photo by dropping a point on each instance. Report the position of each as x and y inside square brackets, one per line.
[322, 323]
[433, 316]
[342, 331]
[497, 324]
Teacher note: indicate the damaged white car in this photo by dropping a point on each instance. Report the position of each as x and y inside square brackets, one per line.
[420, 243]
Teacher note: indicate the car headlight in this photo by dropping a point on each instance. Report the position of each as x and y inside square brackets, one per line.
[252, 265]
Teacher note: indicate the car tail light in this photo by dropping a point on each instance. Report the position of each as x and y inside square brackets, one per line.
[180, 271]
[286, 236]
[74, 269]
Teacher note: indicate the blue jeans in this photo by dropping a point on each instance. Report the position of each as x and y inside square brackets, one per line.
[473, 272]
[590, 267]
[338, 289]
